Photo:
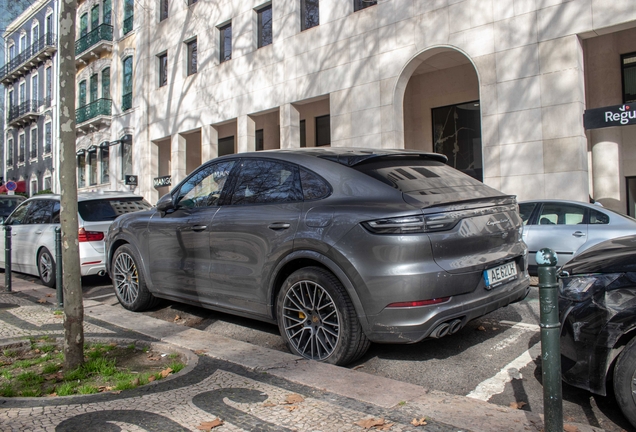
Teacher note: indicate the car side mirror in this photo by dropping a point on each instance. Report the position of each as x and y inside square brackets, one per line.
[165, 203]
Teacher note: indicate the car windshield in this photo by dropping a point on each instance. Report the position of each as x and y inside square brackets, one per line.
[8, 204]
[110, 209]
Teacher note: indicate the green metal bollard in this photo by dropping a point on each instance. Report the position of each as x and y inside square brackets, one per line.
[7, 258]
[550, 344]
[58, 267]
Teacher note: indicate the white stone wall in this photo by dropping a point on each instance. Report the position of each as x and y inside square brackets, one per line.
[527, 54]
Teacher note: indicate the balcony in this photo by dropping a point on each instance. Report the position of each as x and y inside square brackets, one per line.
[93, 115]
[24, 113]
[37, 53]
[94, 44]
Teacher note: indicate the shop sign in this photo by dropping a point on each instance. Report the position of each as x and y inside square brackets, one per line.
[617, 115]
[131, 180]
[162, 181]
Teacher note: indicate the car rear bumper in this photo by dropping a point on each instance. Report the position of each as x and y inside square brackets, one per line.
[92, 262]
[413, 324]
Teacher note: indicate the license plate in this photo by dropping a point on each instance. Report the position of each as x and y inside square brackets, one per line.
[498, 275]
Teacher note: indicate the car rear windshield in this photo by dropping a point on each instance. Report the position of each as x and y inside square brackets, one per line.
[420, 177]
[110, 209]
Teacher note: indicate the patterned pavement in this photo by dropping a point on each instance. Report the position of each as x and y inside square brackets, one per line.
[243, 399]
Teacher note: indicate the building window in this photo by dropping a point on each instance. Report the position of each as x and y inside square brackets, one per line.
[11, 52]
[264, 26]
[106, 83]
[226, 42]
[105, 178]
[323, 130]
[303, 134]
[260, 140]
[47, 138]
[83, 25]
[81, 170]
[629, 77]
[94, 17]
[309, 14]
[34, 187]
[362, 4]
[226, 146]
[107, 11]
[93, 87]
[48, 25]
[163, 10]
[129, 11]
[47, 183]
[163, 69]
[192, 57]
[34, 90]
[126, 102]
[49, 87]
[126, 159]
[23, 43]
[9, 152]
[35, 38]
[82, 94]
[33, 154]
[91, 164]
[21, 149]
[22, 92]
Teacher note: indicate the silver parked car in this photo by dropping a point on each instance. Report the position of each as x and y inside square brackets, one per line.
[569, 227]
[337, 246]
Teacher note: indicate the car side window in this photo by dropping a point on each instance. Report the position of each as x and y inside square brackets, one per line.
[525, 210]
[561, 214]
[313, 186]
[40, 212]
[204, 188]
[20, 213]
[598, 218]
[55, 218]
[263, 181]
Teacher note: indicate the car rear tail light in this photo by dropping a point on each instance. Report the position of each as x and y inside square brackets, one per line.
[419, 303]
[89, 236]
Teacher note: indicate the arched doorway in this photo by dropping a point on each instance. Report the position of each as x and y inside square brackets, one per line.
[441, 108]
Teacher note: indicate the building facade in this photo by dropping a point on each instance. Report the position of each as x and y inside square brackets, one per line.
[500, 87]
[28, 78]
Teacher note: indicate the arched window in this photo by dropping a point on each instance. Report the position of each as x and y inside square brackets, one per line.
[126, 102]
[106, 83]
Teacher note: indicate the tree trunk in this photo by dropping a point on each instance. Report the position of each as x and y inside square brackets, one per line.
[73, 306]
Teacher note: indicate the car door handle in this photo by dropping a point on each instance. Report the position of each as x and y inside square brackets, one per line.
[578, 234]
[279, 226]
[198, 228]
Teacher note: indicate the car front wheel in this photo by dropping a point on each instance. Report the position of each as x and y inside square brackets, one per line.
[128, 282]
[46, 268]
[625, 381]
[317, 319]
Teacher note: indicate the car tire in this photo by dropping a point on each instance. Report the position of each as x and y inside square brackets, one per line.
[625, 381]
[128, 282]
[46, 268]
[317, 320]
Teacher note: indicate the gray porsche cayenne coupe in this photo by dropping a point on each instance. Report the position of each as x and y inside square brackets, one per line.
[338, 246]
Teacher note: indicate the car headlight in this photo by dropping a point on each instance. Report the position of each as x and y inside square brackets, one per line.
[581, 288]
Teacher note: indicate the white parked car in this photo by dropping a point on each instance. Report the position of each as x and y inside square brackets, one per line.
[33, 225]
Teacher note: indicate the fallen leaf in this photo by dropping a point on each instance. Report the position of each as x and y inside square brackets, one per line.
[151, 378]
[53, 394]
[42, 300]
[116, 392]
[419, 422]
[291, 408]
[495, 328]
[166, 372]
[49, 295]
[37, 351]
[570, 428]
[113, 344]
[200, 352]
[517, 405]
[206, 426]
[293, 399]
[357, 367]
[153, 358]
[378, 424]
[135, 382]
[177, 318]
[269, 404]
[481, 328]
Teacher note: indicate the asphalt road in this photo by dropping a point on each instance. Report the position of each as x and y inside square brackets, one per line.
[495, 358]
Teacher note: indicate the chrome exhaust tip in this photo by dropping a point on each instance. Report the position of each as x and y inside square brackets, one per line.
[455, 326]
[101, 273]
[440, 331]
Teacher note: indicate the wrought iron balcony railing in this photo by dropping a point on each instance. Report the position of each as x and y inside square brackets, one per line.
[128, 24]
[100, 107]
[126, 102]
[24, 111]
[103, 32]
[43, 45]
